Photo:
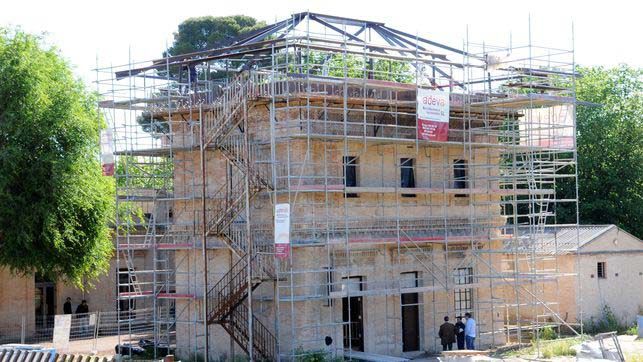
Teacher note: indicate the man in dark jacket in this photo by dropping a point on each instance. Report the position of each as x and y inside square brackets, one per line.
[459, 332]
[447, 335]
[82, 308]
[67, 306]
[83, 317]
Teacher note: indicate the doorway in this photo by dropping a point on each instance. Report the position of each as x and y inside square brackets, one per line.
[45, 302]
[410, 314]
[125, 305]
[352, 315]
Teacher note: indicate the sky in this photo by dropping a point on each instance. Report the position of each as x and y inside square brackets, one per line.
[108, 33]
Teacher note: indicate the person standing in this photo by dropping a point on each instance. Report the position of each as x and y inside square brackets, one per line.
[459, 332]
[67, 306]
[470, 331]
[83, 317]
[447, 335]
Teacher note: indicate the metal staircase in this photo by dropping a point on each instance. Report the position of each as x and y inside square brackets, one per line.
[226, 299]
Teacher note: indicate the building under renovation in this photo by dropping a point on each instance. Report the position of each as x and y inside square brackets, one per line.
[338, 186]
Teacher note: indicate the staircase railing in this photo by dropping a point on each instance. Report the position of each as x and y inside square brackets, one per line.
[224, 108]
[226, 297]
[263, 341]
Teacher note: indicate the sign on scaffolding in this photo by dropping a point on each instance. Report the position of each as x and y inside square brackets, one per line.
[433, 115]
[107, 152]
[282, 230]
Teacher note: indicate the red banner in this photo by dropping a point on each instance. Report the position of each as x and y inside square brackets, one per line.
[108, 169]
[433, 130]
[282, 251]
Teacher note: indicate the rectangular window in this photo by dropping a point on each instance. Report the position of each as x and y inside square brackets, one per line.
[600, 270]
[463, 276]
[407, 175]
[460, 179]
[350, 173]
[463, 297]
[329, 285]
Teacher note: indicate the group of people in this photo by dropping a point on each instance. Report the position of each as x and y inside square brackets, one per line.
[82, 308]
[462, 332]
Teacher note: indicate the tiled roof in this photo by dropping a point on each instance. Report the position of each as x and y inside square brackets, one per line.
[555, 240]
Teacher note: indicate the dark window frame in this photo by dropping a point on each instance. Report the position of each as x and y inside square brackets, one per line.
[460, 176]
[463, 297]
[601, 270]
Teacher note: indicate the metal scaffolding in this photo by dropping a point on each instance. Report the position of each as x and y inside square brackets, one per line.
[320, 112]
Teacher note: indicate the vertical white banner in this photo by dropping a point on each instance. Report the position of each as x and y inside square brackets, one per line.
[282, 230]
[433, 115]
[107, 152]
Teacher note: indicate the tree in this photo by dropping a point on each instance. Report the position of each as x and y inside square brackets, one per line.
[196, 34]
[55, 205]
[610, 149]
[208, 32]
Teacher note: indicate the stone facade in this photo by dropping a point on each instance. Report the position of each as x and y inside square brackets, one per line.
[310, 297]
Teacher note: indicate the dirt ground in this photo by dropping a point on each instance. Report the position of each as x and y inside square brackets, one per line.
[104, 346]
[631, 347]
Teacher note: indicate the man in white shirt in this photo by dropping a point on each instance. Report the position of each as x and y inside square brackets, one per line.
[470, 331]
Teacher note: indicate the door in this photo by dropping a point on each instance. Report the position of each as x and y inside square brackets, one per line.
[410, 314]
[410, 322]
[45, 302]
[352, 315]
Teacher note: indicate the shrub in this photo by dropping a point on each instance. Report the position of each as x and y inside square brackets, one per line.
[548, 333]
[310, 356]
[632, 331]
[559, 348]
[607, 322]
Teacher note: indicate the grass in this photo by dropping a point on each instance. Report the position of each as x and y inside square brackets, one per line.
[634, 357]
[562, 347]
[548, 349]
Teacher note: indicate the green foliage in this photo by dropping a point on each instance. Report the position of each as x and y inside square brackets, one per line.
[139, 172]
[610, 151]
[547, 349]
[558, 348]
[632, 331]
[156, 127]
[633, 357]
[56, 204]
[129, 215]
[313, 356]
[548, 333]
[207, 32]
[607, 322]
[355, 66]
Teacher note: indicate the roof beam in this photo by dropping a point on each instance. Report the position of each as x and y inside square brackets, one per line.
[343, 20]
[431, 42]
[333, 27]
[443, 73]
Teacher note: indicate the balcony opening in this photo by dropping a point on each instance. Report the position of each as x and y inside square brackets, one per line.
[460, 179]
[407, 175]
[350, 174]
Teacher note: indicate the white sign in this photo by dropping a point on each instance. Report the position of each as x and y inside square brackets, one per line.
[433, 115]
[107, 152]
[62, 326]
[282, 230]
